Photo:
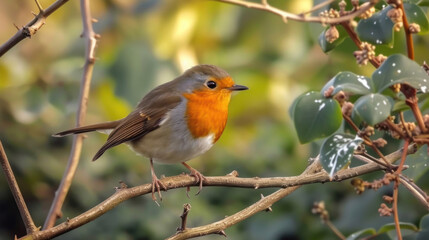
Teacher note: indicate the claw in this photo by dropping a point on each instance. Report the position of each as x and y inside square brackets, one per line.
[199, 178]
[156, 184]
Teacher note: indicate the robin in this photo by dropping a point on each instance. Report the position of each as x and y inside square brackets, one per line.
[175, 122]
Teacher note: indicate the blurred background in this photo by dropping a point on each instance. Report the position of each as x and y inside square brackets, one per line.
[149, 42]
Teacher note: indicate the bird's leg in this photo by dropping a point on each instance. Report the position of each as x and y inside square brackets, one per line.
[156, 183]
[198, 176]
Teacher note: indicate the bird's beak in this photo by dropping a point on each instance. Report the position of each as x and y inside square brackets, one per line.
[238, 88]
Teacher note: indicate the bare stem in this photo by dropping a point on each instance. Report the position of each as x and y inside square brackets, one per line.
[395, 209]
[60, 195]
[184, 216]
[16, 192]
[408, 34]
[264, 6]
[335, 229]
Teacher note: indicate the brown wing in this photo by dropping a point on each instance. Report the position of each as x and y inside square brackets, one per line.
[138, 123]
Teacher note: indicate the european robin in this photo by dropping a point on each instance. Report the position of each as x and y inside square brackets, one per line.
[175, 122]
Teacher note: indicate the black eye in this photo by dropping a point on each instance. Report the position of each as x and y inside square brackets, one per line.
[211, 84]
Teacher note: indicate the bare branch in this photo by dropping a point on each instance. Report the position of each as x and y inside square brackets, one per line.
[313, 174]
[32, 27]
[16, 192]
[60, 195]
[264, 6]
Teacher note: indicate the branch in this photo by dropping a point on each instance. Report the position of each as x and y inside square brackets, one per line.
[61, 193]
[264, 6]
[408, 36]
[313, 174]
[32, 27]
[16, 192]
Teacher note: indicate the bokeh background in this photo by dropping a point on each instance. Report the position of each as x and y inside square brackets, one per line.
[146, 43]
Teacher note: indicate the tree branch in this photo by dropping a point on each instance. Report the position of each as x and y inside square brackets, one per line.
[32, 27]
[16, 192]
[313, 174]
[61, 193]
[264, 6]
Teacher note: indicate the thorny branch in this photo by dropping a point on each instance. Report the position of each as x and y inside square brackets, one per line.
[61, 193]
[313, 174]
[32, 27]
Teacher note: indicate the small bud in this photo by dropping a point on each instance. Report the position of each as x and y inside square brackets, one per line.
[328, 92]
[332, 34]
[388, 199]
[341, 97]
[384, 210]
[347, 108]
[414, 28]
[355, 4]
[368, 13]
[397, 27]
[366, 53]
[369, 131]
[380, 58]
[396, 87]
[395, 14]
[380, 142]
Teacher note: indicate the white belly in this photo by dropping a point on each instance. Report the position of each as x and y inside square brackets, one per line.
[166, 145]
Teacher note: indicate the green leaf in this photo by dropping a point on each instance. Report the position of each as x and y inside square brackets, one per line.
[406, 229]
[424, 3]
[315, 116]
[378, 29]
[424, 228]
[372, 108]
[337, 151]
[424, 222]
[350, 82]
[418, 163]
[415, 14]
[400, 69]
[327, 46]
[361, 233]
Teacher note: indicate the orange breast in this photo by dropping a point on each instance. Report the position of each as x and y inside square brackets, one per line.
[207, 112]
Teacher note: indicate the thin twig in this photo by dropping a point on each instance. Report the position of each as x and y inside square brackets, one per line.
[184, 217]
[31, 27]
[60, 195]
[318, 6]
[316, 175]
[16, 192]
[298, 17]
[392, 126]
[415, 190]
[335, 230]
[408, 34]
[395, 209]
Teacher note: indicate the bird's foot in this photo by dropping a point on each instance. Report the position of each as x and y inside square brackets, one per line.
[156, 186]
[199, 178]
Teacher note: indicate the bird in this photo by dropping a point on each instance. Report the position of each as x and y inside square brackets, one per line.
[173, 123]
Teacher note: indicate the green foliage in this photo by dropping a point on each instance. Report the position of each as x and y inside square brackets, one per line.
[407, 229]
[337, 152]
[327, 46]
[315, 116]
[400, 69]
[372, 108]
[350, 83]
[377, 29]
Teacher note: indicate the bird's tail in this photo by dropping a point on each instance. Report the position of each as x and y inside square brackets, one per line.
[89, 128]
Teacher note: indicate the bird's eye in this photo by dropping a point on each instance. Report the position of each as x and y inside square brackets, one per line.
[211, 84]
